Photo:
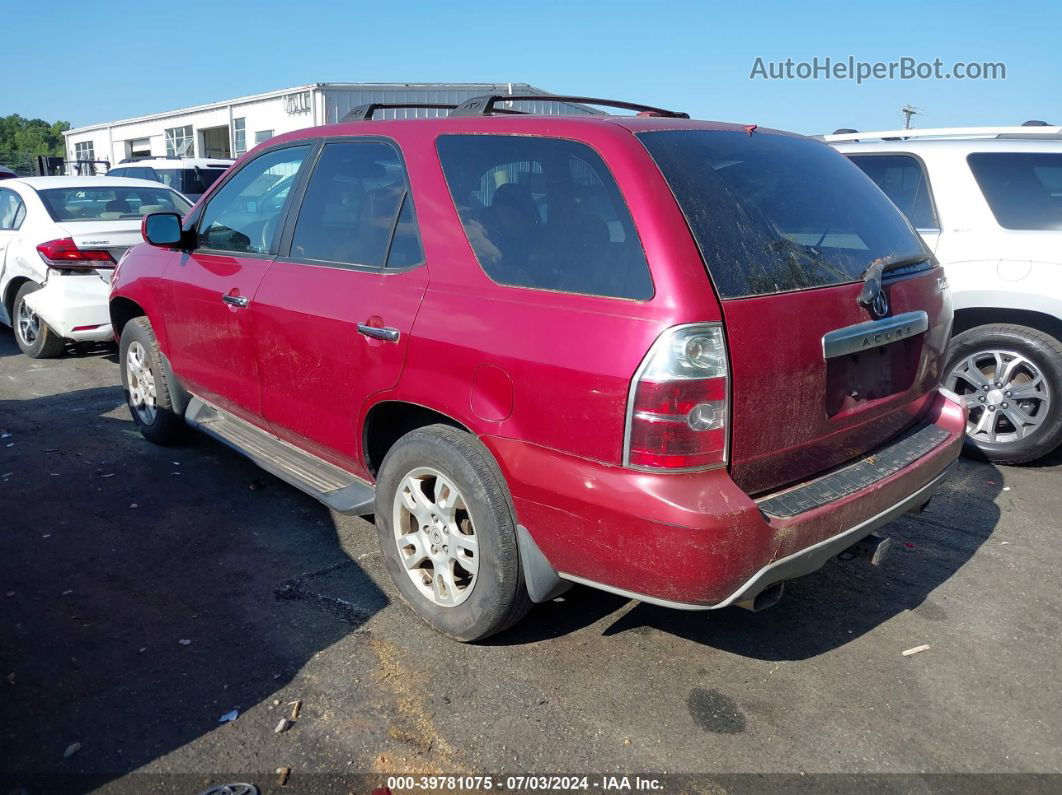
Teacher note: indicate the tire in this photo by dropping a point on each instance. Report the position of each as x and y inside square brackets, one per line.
[1028, 365]
[142, 372]
[32, 334]
[467, 605]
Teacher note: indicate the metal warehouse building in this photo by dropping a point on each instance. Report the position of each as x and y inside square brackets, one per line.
[231, 127]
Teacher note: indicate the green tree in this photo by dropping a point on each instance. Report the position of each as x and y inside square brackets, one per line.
[31, 136]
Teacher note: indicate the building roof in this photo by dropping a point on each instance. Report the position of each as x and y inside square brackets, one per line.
[480, 88]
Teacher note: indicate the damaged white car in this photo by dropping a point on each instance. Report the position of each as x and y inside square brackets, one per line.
[60, 238]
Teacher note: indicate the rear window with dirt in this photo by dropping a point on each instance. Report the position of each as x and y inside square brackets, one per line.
[773, 213]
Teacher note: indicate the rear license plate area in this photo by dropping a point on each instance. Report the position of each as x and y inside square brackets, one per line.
[871, 374]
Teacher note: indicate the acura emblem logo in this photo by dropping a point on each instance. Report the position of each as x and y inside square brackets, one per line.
[879, 307]
[872, 296]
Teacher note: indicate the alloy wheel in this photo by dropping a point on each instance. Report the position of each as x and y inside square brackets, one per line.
[29, 325]
[1006, 395]
[141, 383]
[436, 538]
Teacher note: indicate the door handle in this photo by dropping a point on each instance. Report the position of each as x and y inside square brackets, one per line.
[238, 301]
[388, 334]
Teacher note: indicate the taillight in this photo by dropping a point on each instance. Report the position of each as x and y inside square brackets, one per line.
[677, 410]
[65, 255]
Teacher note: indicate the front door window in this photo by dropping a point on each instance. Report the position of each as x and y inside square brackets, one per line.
[245, 213]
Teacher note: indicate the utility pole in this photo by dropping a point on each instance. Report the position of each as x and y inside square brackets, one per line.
[908, 111]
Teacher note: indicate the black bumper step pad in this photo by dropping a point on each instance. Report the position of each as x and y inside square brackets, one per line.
[853, 477]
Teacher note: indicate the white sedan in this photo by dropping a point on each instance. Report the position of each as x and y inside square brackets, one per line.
[60, 238]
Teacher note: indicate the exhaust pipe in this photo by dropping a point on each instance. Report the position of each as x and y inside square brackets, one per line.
[768, 597]
[922, 507]
[874, 548]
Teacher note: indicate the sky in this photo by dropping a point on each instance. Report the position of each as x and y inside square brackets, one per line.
[103, 61]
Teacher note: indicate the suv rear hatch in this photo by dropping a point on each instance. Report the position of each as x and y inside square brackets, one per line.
[788, 228]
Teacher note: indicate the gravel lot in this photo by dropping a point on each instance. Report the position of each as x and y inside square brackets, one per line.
[148, 591]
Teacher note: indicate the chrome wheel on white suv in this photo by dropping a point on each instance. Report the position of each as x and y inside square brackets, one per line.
[1005, 392]
[1010, 378]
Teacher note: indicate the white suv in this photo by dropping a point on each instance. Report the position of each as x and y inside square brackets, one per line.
[188, 175]
[988, 202]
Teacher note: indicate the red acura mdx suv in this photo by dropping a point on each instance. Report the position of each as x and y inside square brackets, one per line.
[678, 360]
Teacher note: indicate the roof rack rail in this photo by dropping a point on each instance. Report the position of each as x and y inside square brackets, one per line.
[484, 105]
[366, 111]
[1031, 132]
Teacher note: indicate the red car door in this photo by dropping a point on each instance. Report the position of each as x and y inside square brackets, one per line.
[212, 287]
[332, 317]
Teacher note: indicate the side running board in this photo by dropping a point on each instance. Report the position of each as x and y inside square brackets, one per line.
[335, 487]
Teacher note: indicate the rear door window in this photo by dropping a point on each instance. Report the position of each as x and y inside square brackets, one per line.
[544, 213]
[171, 177]
[773, 213]
[358, 209]
[187, 180]
[133, 173]
[141, 173]
[1024, 189]
[405, 248]
[197, 180]
[12, 210]
[903, 180]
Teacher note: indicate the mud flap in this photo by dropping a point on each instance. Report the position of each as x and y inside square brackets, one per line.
[540, 577]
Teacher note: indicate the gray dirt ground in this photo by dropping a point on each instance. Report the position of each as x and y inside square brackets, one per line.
[113, 551]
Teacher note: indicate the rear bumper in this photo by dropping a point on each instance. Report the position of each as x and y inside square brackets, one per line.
[74, 307]
[803, 562]
[696, 541]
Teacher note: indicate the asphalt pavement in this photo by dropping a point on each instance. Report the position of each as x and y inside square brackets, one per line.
[145, 592]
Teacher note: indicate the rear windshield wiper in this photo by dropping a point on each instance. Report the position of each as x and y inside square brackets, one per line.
[872, 275]
[810, 253]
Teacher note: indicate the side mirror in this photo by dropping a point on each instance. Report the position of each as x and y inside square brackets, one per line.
[162, 229]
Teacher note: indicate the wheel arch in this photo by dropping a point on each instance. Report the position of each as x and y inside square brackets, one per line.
[122, 310]
[971, 317]
[387, 421]
[10, 291]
